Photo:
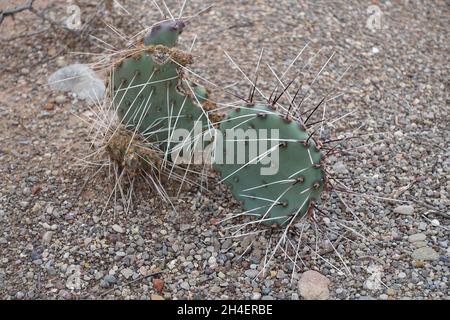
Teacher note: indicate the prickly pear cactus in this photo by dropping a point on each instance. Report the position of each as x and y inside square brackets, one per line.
[281, 195]
[165, 33]
[149, 89]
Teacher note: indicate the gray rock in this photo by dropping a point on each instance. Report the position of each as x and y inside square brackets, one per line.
[423, 226]
[419, 244]
[104, 284]
[31, 294]
[184, 285]
[251, 273]
[65, 295]
[417, 237]
[281, 274]
[216, 289]
[339, 167]
[110, 279]
[23, 204]
[405, 210]
[51, 271]
[425, 253]
[185, 227]
[98, 275]
[35, 255]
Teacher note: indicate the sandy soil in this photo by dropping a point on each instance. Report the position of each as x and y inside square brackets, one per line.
[51, 227]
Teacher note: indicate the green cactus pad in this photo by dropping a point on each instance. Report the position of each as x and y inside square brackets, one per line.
[299, 180]
[165, 33]
[149, 89]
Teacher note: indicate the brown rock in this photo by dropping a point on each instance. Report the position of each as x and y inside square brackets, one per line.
[35, 190]
[313, 286]
[49, 106]
[158, 285]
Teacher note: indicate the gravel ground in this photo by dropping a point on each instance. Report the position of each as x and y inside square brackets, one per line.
[55, 244]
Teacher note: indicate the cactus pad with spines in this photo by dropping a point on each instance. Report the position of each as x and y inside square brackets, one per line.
[299, 182]
[149, 89]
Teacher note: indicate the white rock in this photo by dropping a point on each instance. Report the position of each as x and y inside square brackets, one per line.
[373, 282]
[313, 286]
[171, 264]
[256, 296]
[435, 222]
[60, 99]
[79, 79]
[127, 273]
[60, 61]
[398, 134]
[117, 228]
[47, 237]
[212, 262]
